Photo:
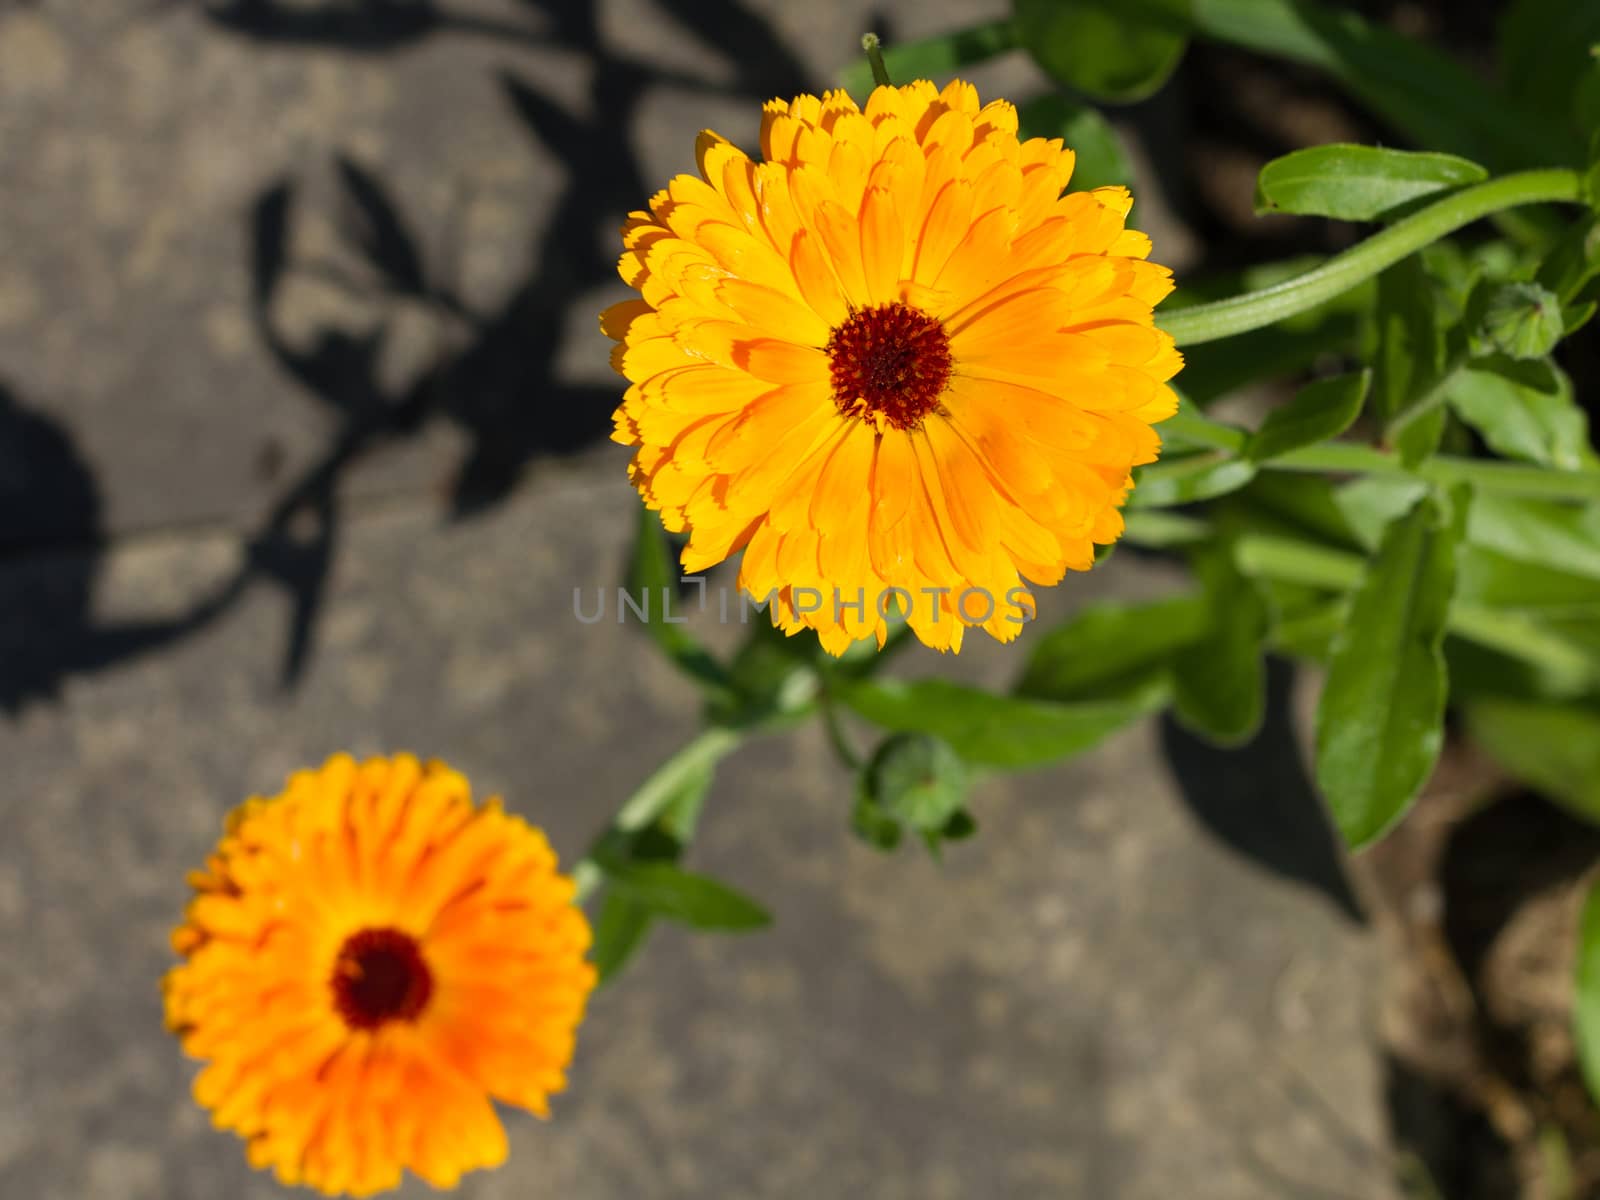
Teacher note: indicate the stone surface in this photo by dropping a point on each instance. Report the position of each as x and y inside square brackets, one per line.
[509, 139]
[1091, 998]
[260, 502]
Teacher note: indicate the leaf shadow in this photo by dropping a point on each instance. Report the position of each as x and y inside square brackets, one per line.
[1259, 800]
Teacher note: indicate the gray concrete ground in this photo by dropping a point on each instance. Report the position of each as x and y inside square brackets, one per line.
[201, 590]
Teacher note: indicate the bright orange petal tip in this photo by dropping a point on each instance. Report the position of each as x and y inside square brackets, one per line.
[369, 962]
[893, 361]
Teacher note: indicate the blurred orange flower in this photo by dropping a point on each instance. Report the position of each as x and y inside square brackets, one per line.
[370, 960]
[893, 355]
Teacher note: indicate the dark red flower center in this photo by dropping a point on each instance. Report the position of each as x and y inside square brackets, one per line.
[379, 977]
[889, 360]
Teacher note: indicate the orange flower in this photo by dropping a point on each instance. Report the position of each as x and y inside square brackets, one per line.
[892, 363]
[369, 961]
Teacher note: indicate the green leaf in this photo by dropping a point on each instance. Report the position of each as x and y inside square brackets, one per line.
[1552, 747]
[1573, 261]
[1368, 505]
[1358, 183]
[871, 824]
[1307, 626]
[1189, 429]
[1101, 159]
[618, 932]
[1410, 354]
[1544, 51]
[773, 677]
[1296, 505]
[1119, 50]
[1162, 529]
[664, 890]
[1380, 721]
[961, 826]
[1523, 410]
[1590, 180]
[1494, 580]
[1562, 536]
[1417, 437]
[1522, 320]
[1111, 650]
[1319, 411]
[1220, 679]
[933, 58]
[1586, 1003]
[1586, 100]
[1419, 90]
[917, 782]
[653, 585]
[992, 730]
[1188, 480]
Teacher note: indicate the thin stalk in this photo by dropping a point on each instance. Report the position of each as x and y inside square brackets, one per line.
[837, 738]
[1253, 310]
[874, 51]
[1349, 458]
[656, 793]
[1288, 560]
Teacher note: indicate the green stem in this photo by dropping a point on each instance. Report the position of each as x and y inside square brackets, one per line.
[1486, 475]
[1191, 425]
[874, 49]
[1253, 310]
[1288, 560]
[656, 793]
[836, 735]
[1435, 397]
[1349, 458]
[1159, 529]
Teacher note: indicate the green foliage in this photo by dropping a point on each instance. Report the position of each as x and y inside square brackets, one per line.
[916, 783]
[1319, 412]
[1186, 480]
[936, 58]
[996, 731]
[1557, 535]
[1553, 747]
[653, 582]
[1112, 650]
[1358, 183]
[1424, 524]
[619, 931]
[1419, 91]
[1573, 261]
[655, 827]
[1409, 360]
[1219, 678]
[1522, 320]
[1523, 410]
[662, 889]
[772, 679]
[1545, 56]
[1380, 721]
[1118, 50]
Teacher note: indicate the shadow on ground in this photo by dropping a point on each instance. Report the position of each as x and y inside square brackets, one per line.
[492, 374]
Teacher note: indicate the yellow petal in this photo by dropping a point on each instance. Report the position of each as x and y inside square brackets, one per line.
[882, 245]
